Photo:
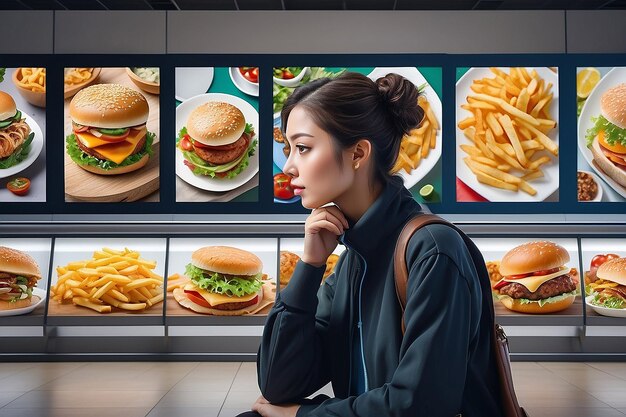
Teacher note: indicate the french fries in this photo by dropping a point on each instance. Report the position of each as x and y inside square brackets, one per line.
[417, 144]
[112, 278]
[507, 129]
[33, 79]
[76, 75]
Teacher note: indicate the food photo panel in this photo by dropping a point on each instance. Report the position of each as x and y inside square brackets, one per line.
[533, 276]
[291, 250]
[507, 134]
[419, 161]
[22, 130]
[601, 94]
[221, 276]
[217, 134]
[111, 134]
[107, 277]
[23, 276]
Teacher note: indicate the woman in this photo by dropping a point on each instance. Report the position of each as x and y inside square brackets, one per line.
[345, 135]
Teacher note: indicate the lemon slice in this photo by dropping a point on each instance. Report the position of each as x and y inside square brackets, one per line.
[586, 80]
[427, 191]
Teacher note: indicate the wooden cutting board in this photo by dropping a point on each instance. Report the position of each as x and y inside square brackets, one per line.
[81, 185]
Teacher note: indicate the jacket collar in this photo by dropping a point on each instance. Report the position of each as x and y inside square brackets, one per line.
[382, 220]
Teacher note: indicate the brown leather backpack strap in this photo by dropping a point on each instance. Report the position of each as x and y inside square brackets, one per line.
[400, 268]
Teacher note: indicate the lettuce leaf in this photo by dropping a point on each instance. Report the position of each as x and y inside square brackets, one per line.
[2, 70]
[612, 134]
[231, 286]
[543, 302]
[607, 302]
[81, 158]
[19, 155]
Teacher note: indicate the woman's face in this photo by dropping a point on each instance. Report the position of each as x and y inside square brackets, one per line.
[316, 174]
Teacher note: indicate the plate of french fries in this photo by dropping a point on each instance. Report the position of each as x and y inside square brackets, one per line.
[112, 280]
[508, 133]
[421, 148]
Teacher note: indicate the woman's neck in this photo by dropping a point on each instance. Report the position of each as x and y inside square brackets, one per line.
[355, 202]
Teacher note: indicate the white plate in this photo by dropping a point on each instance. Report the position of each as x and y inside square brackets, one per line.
[35, 149]
[192, 81]
[604, 311]
[217, 184]
[545, 186]
[412, 74]
[25, 310]
[245, 86]
[591, 108]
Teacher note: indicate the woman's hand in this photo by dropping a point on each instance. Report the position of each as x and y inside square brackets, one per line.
[263, 407]
[320, 234]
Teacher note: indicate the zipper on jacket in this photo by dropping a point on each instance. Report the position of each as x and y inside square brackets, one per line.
[360, 322]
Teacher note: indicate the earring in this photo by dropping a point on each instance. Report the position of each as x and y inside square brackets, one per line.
[356, 166]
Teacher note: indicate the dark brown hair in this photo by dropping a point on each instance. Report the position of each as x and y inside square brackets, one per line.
[353, 107]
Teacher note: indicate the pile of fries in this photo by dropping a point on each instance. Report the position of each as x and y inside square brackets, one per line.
[113, 278]
[33, 79]
[76, 75]
[418, 143]
[510, 122]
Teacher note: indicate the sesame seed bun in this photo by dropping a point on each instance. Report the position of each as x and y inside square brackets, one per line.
[109, 106]
[533, 256]
[613, 270]
[216, 123]
[119, 170]
[17, 262]
[227, 260]
[534, 308]
[613, 105]
[7, 106]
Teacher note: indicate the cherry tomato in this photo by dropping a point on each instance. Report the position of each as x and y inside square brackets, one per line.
[19, 186]
[287, 75]
[250, 73]
[185, 143]
[282, 187]
[600, 259]
[196, 298]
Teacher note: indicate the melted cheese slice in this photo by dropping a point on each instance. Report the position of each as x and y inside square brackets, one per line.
[217, 299]
[117, 151]
[534, 282]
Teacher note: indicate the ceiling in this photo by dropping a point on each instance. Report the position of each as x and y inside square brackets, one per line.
[312, 4]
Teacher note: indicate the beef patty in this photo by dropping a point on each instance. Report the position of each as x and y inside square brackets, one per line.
[220, 156]
[556, 286]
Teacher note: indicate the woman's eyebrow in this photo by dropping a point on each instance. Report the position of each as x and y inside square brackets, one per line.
[299, 135]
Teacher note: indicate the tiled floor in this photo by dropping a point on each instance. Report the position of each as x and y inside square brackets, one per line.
[225, 389]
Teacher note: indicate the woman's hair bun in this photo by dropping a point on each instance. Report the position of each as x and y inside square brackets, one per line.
[399, 95]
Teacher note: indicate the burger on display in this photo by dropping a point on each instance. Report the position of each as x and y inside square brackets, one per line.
[609, 290]
[109, 133]
[224, 281]
[217, 141]
[15, 134]
[607, 138]
[536, 280]
[19, 274]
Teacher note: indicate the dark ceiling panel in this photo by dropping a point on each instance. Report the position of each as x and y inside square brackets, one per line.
[314, 4]
[82, 4]
[488, 5]
[126, 4]
[13, 5]
[163, 4]
[435, 5]
[43, 4]
[260, 4]
[370, 4]
[206, 4]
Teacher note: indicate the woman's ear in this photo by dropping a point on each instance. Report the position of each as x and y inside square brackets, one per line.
[361, 152]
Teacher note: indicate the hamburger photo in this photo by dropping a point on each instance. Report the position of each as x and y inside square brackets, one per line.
[609, 290]
[15, 134]
[217, 141]
[224, 281]
[19, 274]
[109, 134]
[607, 138]
[536, 280]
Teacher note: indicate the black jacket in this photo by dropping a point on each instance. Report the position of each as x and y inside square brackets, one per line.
[443, 365]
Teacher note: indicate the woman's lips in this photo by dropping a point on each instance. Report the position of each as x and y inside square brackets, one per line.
[298, 190]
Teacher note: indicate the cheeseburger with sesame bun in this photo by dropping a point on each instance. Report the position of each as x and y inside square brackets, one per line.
[536, 280]
[109, 134]
[225, 281]
[19, 274]
[217, 141]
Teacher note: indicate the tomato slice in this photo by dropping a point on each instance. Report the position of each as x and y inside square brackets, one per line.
[185, 143]
[196, 298]
[19, 186]
[282, 187]
[546, 272]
